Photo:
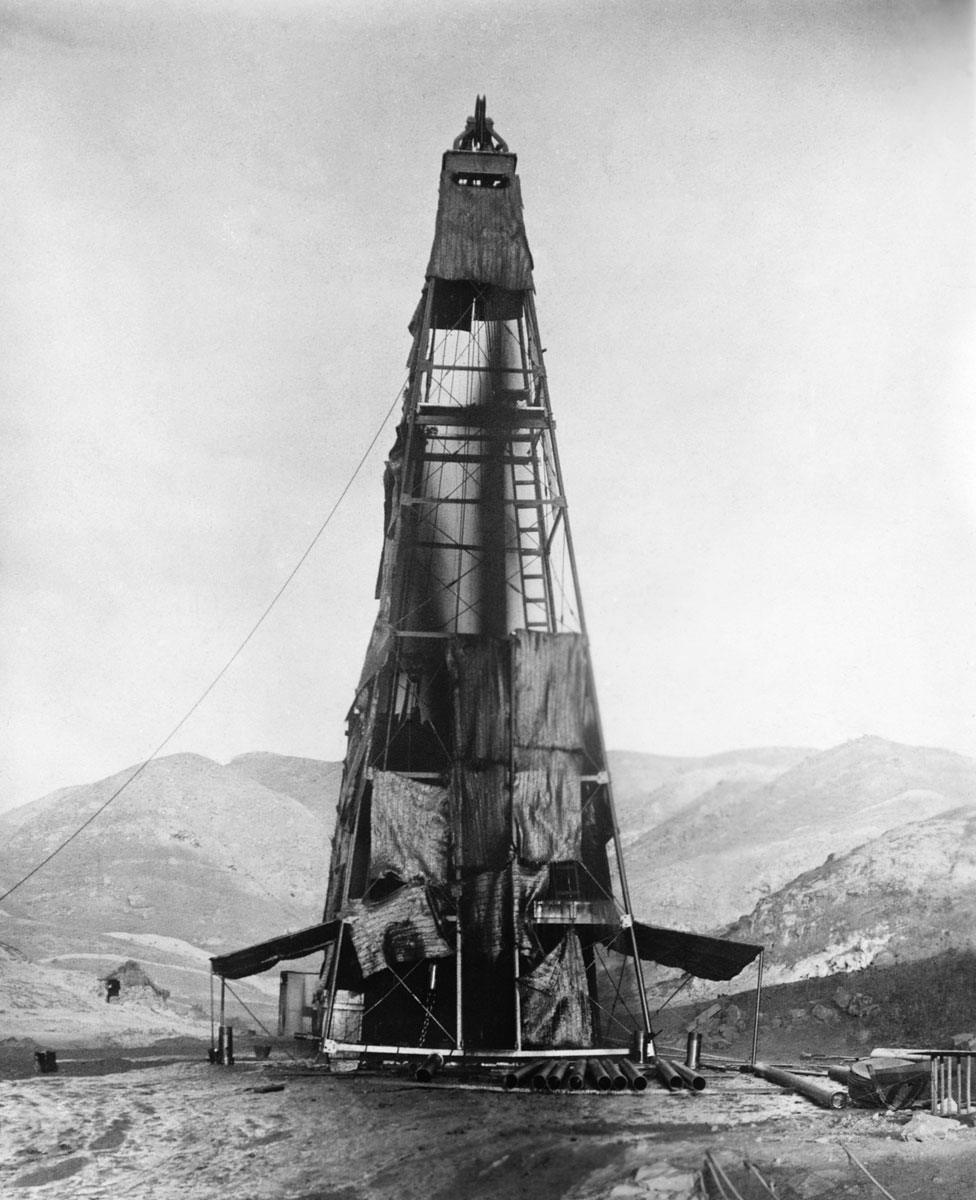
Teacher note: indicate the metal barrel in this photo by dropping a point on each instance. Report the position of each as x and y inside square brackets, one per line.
[693, 1051]
[668, 1075]
[429, 1068]
[618, 1080]
[641, 1045]
[634, 1077]
[690, 1078]
[225, 1045]
[538, 1076]
[596, 1075]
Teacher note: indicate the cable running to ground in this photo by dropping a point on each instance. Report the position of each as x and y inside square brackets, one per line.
[223, 670]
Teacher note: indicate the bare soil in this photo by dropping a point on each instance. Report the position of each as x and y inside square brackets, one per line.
[288, 1129]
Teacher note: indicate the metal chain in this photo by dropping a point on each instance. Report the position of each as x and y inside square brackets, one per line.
[429, 1005]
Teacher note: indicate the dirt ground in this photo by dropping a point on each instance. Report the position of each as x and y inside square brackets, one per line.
[164, 1124]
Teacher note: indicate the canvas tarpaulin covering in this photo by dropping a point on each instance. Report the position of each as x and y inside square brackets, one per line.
[480, 676]
[264, 955]
[409, 829]
[484, 828]
[550, 690]
[703, 957]
[554, 999]
[546, 803]
[486, 907]
[378, 650]
[546, 820]
[395, 931]
[480, 236]
[539, 735]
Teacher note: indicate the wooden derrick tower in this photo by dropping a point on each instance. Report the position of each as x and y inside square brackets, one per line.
[476, 868]
[477, 901]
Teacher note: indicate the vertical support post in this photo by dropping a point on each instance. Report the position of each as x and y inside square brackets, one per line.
[333, 983]
[458, 934]
[513, 865]
[213, 1032]
[933, 1083]
[755, 1026]
[225, 1036]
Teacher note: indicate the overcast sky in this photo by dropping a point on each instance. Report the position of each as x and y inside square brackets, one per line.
[755, 283]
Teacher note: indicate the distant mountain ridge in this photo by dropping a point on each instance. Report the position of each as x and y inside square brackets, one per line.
[195, 857]
[735, 842]
[190, 849]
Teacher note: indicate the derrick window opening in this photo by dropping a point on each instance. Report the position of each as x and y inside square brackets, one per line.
[564, 881]
[482, 179]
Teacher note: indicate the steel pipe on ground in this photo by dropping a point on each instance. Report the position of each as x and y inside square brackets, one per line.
[538, 1077]
[690, 1078]
[574, 1076]
[520, 1076]
[429, 1068]
[635, 1079]
[668, 1075]
[618, 1081]
[596, 1076]
[826, 1094]
[556, 1074]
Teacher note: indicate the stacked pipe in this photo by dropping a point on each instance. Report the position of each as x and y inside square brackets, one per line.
[567, 1074]
[675, 1076]
[601, 1074]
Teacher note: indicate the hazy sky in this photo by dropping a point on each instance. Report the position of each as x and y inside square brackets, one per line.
[754, 275]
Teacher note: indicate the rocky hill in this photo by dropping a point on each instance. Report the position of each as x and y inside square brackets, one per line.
[192, 859]
[737, 841]
[190, 849]
[906, 895]
[310, 781]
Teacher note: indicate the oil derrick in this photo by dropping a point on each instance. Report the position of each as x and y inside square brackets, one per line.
[476, 870]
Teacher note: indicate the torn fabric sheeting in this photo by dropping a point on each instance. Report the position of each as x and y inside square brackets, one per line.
[550, 690]
[395, 932]
[378, 650]
[486, 908]
[409, 831]
[480, 676]
[484, 828]
[555, 1000]
[546, 802]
